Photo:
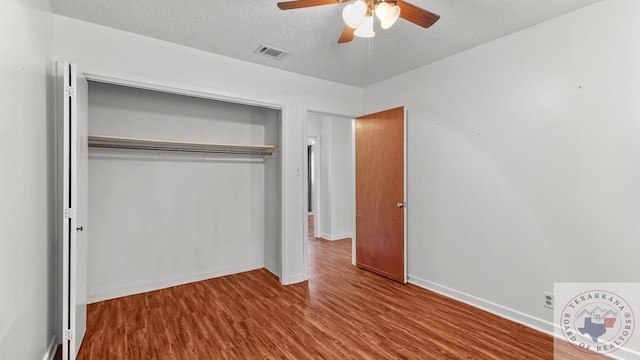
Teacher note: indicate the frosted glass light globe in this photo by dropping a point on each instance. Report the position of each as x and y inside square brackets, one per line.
[388, 14]
[353, 14]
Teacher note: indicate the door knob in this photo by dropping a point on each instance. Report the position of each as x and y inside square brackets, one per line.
[400, 205]
[80, 228]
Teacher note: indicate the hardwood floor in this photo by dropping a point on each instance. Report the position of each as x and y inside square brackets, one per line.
[341, 313]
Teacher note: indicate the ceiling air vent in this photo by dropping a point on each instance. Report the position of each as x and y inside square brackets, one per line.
[271, 52]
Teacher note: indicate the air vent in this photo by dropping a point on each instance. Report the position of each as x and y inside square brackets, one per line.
[270, 52]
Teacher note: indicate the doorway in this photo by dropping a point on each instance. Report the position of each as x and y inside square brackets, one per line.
[381, 193]
[330, 183]
[373, 209]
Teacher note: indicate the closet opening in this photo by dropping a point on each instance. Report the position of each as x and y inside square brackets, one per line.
[181, 188]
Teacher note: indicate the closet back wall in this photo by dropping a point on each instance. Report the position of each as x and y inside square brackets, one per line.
[162, 219]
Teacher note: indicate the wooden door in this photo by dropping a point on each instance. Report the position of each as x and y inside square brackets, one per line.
[380, 193]
[73, 105]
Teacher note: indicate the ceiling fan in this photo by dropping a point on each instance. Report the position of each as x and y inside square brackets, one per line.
[359, 15]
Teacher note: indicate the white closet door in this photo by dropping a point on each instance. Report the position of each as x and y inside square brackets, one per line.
[74, 97]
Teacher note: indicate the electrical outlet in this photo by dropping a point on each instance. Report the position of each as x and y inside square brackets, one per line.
[548, 300]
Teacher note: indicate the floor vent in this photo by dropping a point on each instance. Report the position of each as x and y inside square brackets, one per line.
[271, 52]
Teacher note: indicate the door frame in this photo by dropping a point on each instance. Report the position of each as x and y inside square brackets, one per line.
[160, 85]
[306, 111]
[177, 88]
[406, 195]
[305, 135]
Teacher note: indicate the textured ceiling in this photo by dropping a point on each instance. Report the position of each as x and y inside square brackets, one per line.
[235, 28]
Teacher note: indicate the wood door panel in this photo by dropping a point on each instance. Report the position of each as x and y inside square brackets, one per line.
[379, 187]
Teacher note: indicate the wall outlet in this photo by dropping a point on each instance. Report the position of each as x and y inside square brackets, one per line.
[548, 300]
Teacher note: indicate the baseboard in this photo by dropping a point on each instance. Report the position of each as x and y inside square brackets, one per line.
[138, 289]
[294, 279]
[272, 270]
[499, 310]
[509, 314]
[51, 349]
[624, 354]
[332, 237]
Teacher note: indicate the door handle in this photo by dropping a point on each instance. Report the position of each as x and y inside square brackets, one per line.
[400, 205]
[80, 228]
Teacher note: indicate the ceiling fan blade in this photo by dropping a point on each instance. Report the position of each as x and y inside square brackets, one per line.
[347, 35]
[288, 5]
[416, 15]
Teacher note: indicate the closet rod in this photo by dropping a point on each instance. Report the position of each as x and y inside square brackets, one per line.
[176, 149]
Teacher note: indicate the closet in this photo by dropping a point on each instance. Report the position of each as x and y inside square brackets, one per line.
[181, 189]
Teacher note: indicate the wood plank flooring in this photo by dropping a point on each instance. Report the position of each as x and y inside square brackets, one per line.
[341, 313]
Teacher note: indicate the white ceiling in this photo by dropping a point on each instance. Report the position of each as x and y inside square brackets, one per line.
[235, 28]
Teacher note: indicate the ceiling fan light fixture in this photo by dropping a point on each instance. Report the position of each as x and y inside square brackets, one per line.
[365, 29]
[353, 14]
[388, 14]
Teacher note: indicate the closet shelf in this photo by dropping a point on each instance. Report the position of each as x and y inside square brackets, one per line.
[113, 142]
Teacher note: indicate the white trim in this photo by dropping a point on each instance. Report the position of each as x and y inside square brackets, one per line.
[51, 349]
[317, 210]
[102, 295]
[499, 310]
[171, 87]
[284, 155]
[333, 237]
[405, 186]
[294, 279]
[305, 203]
[324, 112]
[629, 354]
[353, 187]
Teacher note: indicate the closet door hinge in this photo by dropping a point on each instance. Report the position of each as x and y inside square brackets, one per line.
[70, 91]
[69, 213]
[68, 335]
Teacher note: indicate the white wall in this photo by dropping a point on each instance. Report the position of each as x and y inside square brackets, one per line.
[158, 220]
[27, 241]
[335, 174]
[325, 183]
[523, 161]
[96, 48]
[313, 138]
[342, 206]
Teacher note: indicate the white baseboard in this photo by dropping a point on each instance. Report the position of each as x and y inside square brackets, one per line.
[272, 270]
[499, 310]
[333, 237]
[624, 354]
[51, 349]
[102, 295]
[293, 279]
[509, 314]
